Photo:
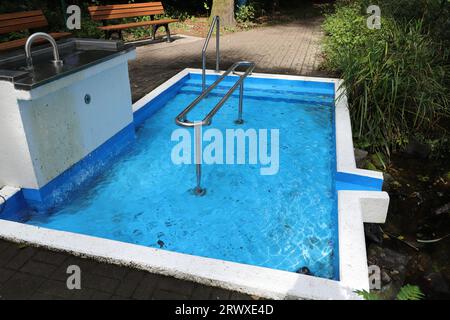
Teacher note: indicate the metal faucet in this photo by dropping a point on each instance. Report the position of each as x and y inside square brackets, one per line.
[56, 60]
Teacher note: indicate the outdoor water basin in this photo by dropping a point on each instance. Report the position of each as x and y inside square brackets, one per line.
[77, 54]
[250, 232]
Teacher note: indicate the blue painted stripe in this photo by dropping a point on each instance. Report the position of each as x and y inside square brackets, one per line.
[265, 90]
[14, 204]
[87, 168]
[313, 85]
[349, 181]
[264, 98]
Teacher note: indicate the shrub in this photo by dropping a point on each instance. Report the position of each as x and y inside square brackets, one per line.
[88, 29]
[396, 78]
[434, 14]
[245, 13]
[346, 30]
[140, 32]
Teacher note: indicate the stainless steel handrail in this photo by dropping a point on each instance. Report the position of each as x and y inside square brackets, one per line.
[181, 118]
[216, 23]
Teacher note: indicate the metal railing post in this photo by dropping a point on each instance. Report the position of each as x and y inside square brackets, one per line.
[241, 101]
[203, 73]
[215, 23]
[198, 190]
[217, 44]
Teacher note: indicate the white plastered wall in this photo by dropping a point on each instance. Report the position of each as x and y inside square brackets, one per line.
[16, 167]
[50, 128]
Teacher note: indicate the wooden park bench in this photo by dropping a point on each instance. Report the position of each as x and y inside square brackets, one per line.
[21, 21]
[119, 11]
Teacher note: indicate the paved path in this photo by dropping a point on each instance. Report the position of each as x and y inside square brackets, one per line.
[31, 273]
[293, 48]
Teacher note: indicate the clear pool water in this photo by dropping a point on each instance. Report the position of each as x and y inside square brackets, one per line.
[285, 221]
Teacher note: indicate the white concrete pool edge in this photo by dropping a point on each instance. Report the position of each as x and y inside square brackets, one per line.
[258, 281]
[354, 208]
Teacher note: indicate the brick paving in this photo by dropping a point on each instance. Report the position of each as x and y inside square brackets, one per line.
[35, 273]
[292, 48]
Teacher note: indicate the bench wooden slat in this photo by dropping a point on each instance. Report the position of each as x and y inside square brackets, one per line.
[26, 20]
[21, 42]
[129, 14]
[144, 9]
[22, 27]
[124, 6]
[18, 15]
[136, 24]
[127, 10]
[14, 22]
[18, 21]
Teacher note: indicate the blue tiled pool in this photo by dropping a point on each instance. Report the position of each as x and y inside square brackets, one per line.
[284, 221]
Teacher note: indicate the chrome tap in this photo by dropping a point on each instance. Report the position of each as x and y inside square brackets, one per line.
[56, 60]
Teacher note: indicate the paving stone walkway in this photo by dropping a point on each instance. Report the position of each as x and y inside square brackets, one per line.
[292, 48]
[34, 273]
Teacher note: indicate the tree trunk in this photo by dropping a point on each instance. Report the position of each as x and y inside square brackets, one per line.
[225, 10]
